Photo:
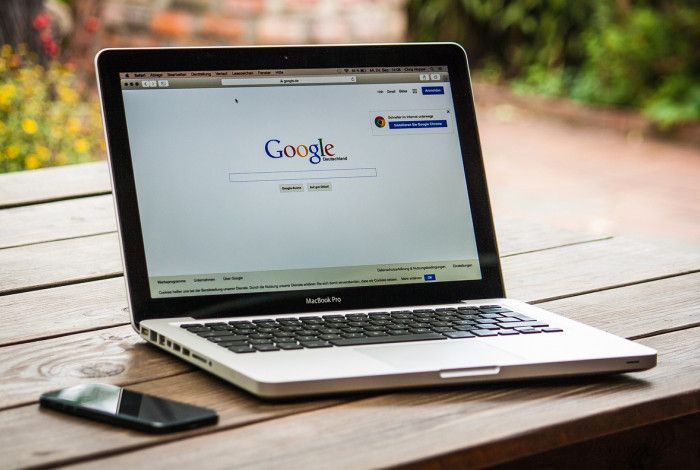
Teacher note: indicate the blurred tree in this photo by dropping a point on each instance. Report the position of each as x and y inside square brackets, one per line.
[640, 54]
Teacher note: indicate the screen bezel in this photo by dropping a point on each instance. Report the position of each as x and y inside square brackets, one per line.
[111, 62]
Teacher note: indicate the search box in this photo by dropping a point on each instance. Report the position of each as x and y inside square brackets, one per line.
[305, 80]
[258, 176]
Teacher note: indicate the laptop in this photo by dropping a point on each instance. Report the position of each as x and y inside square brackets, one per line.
[306, 220]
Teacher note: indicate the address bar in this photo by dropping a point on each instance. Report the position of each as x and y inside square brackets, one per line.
[288, 80]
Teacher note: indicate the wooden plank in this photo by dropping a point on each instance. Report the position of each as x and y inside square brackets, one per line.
[660, 445]
[638, 310]
[58, 263]
[573, 270]
[114, 355]
[63, 310]
[56, 221]
[64, 438]
[400, 428]
[54, 184]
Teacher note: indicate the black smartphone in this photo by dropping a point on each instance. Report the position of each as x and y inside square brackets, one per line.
[117, 405]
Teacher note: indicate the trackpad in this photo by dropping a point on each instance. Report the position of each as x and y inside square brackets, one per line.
[440, 356]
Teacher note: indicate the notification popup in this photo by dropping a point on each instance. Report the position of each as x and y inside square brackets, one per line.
[422, 121]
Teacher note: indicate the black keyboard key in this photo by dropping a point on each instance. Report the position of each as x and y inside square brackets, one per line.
[260, 341]
[319, 344]
[266, 347]
[507, 332]
[288, 346]
[329, 337]
[221, 339]
[528, 330]
[353, 335]
[215, 324]
[485, 321]
[199, 329]
[208, 333]
[352, 330]
[487, 327]
[443, 329]
[307, 338]
[534, 324]
[458, 334]
[374, 334]
[552, 329]
[260, 336]
[421, 330]
[491, 315]
[508, 319]
[387, 339]
[484, 332]
[241, 349]
[228, 344]
[398, 332]
[490, 306]
[191, 325]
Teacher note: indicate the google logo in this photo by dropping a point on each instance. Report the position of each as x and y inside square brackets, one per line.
[275, 149]
[379, 121]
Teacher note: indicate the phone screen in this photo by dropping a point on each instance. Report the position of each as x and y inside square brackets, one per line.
[121, 406]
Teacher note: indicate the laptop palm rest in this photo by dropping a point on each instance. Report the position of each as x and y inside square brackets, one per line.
[444, 356]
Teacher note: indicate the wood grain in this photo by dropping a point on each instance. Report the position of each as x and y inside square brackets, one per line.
[63, 310]
[60, 262]
[566, 271]
[641, 308]
[638, 310]
[660, 445]
[59, 220]
[487, 424]
[113, 355]
[53, 184]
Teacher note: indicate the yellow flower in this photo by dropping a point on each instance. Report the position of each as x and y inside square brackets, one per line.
[42, 152]
[73, 126]
[12, 151]
[31, 162]
[61, 159]
[7, 91]
[81, 145]
[67, 95]
[56, 132]
[29, 125]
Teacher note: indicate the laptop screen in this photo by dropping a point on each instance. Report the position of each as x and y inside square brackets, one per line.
[273, 180]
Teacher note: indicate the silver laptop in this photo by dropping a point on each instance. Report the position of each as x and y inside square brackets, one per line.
[304, 220]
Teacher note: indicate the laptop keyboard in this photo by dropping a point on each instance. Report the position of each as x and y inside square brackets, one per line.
[356, 329]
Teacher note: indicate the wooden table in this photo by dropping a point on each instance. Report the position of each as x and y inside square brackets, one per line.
[64, 322]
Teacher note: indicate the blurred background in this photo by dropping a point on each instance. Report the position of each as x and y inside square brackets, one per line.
[592, 100]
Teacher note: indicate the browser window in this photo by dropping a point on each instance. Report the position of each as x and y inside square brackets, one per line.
[260, 181]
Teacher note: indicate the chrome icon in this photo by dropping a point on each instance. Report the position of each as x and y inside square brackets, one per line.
[379, 121]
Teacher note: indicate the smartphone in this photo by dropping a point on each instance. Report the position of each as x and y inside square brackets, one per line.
[117, 405]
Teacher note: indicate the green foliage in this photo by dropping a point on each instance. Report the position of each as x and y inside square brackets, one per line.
[643, 55]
